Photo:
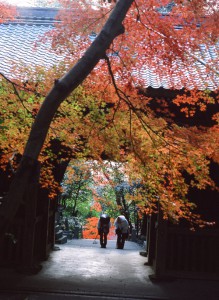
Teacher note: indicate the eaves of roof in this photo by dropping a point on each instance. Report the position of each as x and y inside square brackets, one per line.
[18, 40]
[35, 16]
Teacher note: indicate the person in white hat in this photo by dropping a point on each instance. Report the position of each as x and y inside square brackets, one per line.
[122, 230]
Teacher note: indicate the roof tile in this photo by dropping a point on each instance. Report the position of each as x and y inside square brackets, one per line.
[18, 39]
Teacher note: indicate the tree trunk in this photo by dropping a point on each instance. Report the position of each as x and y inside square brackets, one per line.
[62, 88]
[17, 192]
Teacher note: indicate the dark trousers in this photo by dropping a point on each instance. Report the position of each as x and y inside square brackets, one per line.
[121, 237]
[103, 239]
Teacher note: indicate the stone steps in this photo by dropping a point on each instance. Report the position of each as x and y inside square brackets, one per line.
[60, 238]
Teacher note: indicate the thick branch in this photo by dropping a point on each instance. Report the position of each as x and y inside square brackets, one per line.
[70, 81]
[62, 88]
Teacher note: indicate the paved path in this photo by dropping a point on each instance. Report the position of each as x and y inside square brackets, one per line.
[83, 270]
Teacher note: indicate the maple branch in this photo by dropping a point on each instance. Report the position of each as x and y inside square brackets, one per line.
[22, 102]
[16, 92]
[177, 43]
[132, 142]
[131, 108]
[126, 99]
[97, 20]
[203, 63]
[71, 80]
[145, 126]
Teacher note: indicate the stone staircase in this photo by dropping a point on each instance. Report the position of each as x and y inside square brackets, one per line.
[60, 238]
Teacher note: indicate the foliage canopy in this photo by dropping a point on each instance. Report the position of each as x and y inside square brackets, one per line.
[107, 118]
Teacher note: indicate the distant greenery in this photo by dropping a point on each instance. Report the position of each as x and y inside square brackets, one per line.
[85, 197]
[77, 196]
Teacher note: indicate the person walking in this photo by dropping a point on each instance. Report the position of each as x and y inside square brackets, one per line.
[122, 230]
[103, 227]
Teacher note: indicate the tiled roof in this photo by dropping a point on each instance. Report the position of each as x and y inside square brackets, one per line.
[17, 45]
[18, 39]
[194, 76]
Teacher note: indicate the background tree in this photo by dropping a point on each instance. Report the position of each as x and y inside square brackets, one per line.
[77, 193]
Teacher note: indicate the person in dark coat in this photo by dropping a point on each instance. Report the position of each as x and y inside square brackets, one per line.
[103, 227]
